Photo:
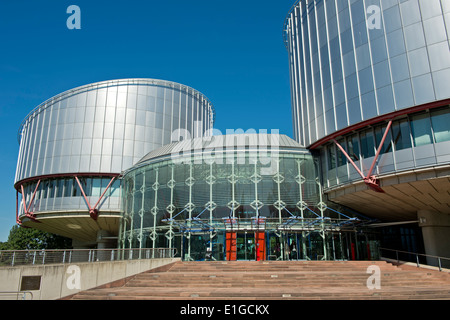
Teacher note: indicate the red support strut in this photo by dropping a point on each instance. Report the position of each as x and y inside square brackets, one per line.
[26, 210]
[370, 179]
[93, 211]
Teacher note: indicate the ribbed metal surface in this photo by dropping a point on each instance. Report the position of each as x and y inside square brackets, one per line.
[343, 72]
[106, 127]
[223, 143]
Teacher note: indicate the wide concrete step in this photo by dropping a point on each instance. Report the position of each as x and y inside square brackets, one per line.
[276, 280]
[268, 293]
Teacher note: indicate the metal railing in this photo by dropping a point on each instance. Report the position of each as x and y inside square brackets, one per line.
[17, 294]
[417, 258]
[41, 257]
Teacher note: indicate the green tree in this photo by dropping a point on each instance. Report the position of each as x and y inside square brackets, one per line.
[28, 239]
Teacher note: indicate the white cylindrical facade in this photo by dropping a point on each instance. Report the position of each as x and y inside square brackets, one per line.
[74, 144]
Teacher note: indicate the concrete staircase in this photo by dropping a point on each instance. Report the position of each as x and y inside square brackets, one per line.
[275, 280]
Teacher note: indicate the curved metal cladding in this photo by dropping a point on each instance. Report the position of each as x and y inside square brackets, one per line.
[95, 132]
[355, 65]
[354, 60]
[192, 194]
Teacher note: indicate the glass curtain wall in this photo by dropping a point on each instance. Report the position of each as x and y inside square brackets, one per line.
[234, 206]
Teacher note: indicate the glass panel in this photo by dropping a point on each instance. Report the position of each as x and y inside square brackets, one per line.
[59, 186]
[331, 157]
[421, 130]
[96, 187]
[68, 187]
[341, 159]
[387, 145]
[440, 120]
[367, 144]
[401, 135]
[115, 188]
[353, 147]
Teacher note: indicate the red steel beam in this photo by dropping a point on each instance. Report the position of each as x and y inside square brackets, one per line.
[84, 194]
[26, 209]
[34, 194]
[349, 159]
[379, 148]
[93, 211]
[109, 185]
[369, 179]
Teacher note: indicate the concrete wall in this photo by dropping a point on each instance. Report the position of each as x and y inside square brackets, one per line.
[436, 235]
[61, 280]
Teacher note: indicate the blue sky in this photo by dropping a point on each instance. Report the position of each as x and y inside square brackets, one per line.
[231, 51]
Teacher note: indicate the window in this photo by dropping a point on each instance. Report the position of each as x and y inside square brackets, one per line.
[401, 135]
[421, 130]
[367, 144]
[353, 147]
[44, 187]
[68, 187]
[115, 188]
[387, 146]
[96, 187]
[440, 120]
[331, 157]
[59, 188]
[341, 159]
[51, 189]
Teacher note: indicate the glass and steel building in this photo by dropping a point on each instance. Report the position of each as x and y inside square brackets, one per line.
[237, 197]
[370, 93]
[74, 146]
[133, 163]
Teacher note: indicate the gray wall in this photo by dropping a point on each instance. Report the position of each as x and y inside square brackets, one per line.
[56, 280]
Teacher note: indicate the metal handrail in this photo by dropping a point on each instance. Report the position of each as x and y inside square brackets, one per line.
[439, 258]
[41, 257]
[17, 293]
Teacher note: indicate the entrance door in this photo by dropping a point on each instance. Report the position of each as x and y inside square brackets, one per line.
[260, 240]
[231, 246]
[245, 246]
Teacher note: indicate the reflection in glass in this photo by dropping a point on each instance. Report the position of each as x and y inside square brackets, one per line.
[421, 130]
[331, 157]
[353, 147]
[387, 145]
[341, 159]
[440, 120]
[401, 135]
[367, 144]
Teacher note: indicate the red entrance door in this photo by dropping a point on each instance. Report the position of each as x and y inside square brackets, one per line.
[231, 246]
[260, 241]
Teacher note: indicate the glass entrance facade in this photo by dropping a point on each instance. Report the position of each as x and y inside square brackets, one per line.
[239, 202]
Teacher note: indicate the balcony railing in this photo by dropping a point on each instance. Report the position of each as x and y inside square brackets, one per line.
[42, 257]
